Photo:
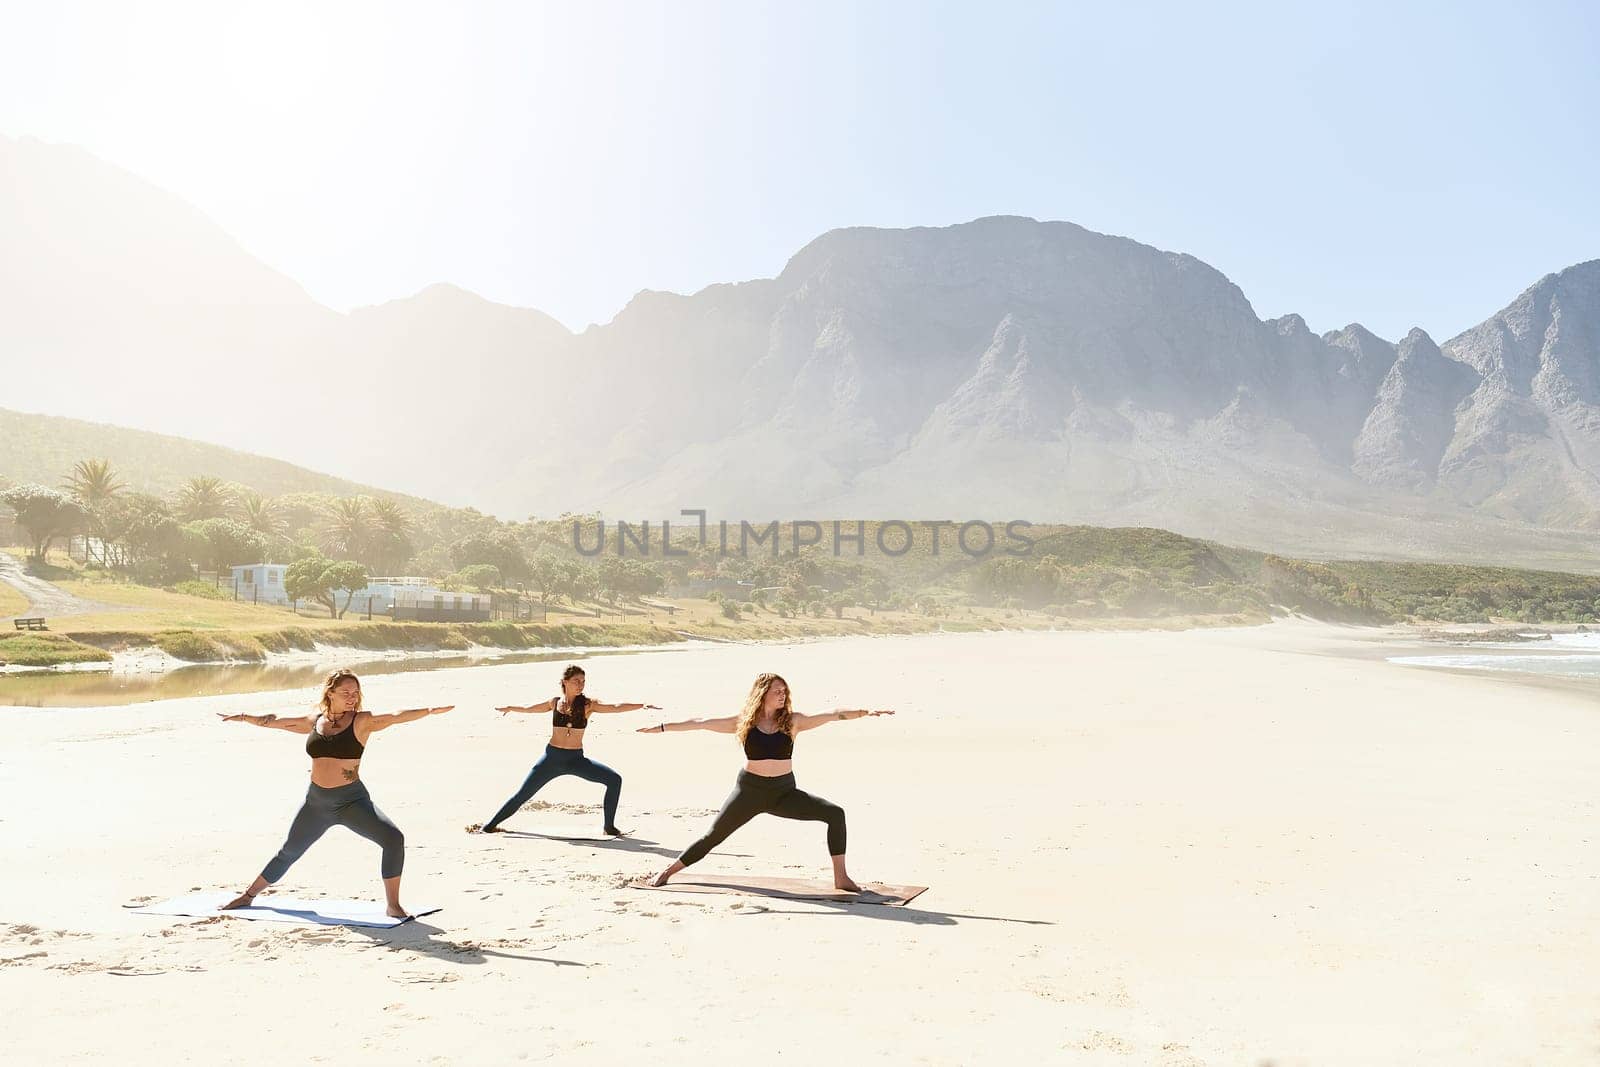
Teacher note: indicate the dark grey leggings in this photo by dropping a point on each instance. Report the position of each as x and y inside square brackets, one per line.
[552, 765]
[347, 805]
[753, 795]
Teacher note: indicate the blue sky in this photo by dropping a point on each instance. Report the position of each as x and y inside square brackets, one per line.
[1391, 164]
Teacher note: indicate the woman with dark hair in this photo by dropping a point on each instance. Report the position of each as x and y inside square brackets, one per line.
[336, 738]
[570, 713]
[766, 728]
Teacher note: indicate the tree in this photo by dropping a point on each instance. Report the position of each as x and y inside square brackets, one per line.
[500, 549]
[875, 590]
[227, 543]
[391, 543]
[349, 576]
[305, 579]
[480, 576]
[581, 580]
[93, 482]
[151, 542]
[44, 513]
[549, 574]
[346, 532]
[95, 486]
[260, 515]
[203, 498]
[320, 579]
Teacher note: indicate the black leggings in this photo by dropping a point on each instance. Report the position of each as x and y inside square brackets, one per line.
[346, 805]
[552, 765]
[755, 794]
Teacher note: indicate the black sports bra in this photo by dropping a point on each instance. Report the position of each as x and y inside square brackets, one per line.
[575, 717]
[759, 744]
[342, 745]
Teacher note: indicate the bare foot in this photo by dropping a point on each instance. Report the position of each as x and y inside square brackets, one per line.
[846, 884]
[243, 900]
[612, 831]
[479, 828]
[395, 911]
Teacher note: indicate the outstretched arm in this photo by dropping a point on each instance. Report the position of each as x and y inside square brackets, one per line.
[716, 726]
[395, 718]
[298, 724]
[611, 709]
[811, 722]
[547, 705]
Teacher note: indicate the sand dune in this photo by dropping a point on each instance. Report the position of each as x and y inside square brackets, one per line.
[1211, 847]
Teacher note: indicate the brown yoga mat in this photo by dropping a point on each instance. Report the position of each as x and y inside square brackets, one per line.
[786, 888]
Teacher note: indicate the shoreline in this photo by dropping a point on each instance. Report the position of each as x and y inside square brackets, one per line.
[122, 654]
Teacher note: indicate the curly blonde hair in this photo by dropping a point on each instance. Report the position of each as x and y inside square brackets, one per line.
[334, 678]
[757, 697]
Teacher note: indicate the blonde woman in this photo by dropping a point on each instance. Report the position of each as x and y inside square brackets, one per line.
[336, 738]
[766, 729]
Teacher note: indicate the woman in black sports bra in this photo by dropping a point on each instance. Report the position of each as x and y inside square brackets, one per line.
[766, 728]
[336, 739]
[564, 754]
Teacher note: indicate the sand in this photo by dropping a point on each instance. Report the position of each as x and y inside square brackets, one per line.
[1209, 847]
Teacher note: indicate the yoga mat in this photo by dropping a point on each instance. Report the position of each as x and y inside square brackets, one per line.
[785, 888]
[282, 909]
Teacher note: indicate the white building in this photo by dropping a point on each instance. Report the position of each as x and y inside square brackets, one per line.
[397, 597]
[260, 583]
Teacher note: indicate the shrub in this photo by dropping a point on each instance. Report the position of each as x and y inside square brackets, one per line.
[205, 590]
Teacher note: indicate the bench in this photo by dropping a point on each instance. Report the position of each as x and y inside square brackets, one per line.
[30, 624]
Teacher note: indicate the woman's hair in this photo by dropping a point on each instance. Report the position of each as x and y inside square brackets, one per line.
[334, 678]
[580, 701]
[757, 697]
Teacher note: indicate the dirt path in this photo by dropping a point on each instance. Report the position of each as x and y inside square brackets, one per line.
[44, 599]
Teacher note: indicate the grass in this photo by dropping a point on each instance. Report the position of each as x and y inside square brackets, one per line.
[235, 646]
[11, 602]
[46, 650]
[154, 609]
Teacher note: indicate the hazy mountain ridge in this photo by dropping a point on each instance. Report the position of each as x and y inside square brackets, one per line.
[999, 367]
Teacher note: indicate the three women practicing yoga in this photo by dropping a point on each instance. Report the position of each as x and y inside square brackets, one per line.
[336, 739]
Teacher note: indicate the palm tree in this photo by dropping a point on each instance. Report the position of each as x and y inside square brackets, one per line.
[260, 514]
[347, 533]
[203, 497]
[391, 540]
[93, 482]
[95, 486]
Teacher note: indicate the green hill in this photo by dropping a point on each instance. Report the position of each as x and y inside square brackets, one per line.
[43, 448]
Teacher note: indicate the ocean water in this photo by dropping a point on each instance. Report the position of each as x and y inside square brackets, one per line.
[1563, 655]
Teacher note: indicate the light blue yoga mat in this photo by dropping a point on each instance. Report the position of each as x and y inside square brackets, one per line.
[282, 909]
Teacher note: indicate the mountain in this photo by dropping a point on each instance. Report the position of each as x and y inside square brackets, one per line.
[120, 303]
[999, 368]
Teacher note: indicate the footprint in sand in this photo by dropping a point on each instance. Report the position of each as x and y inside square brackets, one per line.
[321, 937]
[1100, 1041]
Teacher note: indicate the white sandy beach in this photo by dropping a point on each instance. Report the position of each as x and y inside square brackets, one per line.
[1208, 847]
